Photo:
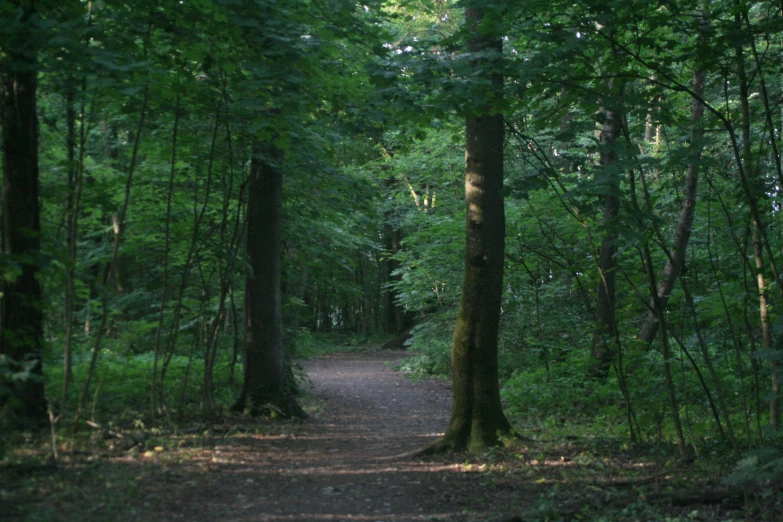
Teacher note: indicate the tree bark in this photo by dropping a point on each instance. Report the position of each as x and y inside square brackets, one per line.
[676, 259]
[603, 348]
[477, 418]
[21, 314]
[397, 320]
[755, 190]
[190, 260]
[71, 220]
[265, 388]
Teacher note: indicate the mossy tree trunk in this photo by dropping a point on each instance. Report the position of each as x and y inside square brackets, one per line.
[477, 419]
[21, 314]
[266, 388]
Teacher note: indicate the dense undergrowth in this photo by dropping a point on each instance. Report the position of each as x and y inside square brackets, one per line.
[122, 390]
[547, 397]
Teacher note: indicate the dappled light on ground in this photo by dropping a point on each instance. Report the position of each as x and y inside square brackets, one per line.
[329, 468]
[335, 466]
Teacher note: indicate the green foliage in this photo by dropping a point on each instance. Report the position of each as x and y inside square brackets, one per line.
[561, 67]
[431, 342]
[368, 101]
[309, 345]
[13, 373]
[760, 466]
[121, 395]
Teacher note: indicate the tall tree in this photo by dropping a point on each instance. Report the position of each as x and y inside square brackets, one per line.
[21, 315]
[675, 260]
[477, 418]
[265, 386]
[605, 333]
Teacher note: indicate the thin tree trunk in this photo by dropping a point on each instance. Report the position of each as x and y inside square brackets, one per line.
[193, 250]
[729, 321]
[759, 236]
[118, 229]
[676, 257]
[235, 338]
[397, 320]
[73, 204]
[225, 283]
[603, 349]
[756, 387]
[768, 108]
[766, 331]
[711, 368]
[166, 249]
[119, 225]
[71, 211]
[663, 332]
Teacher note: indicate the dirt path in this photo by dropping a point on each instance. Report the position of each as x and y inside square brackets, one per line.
[332, 466]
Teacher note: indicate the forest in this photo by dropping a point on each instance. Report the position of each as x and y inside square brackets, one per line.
[558, 223]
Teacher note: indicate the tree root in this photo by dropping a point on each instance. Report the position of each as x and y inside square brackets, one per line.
[444, 444]
[452, 443]
[277, 407]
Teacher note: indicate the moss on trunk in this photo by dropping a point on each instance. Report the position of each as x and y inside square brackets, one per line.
[477, 419]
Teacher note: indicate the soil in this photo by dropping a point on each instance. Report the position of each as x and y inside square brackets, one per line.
[336, 465]
[343, 463]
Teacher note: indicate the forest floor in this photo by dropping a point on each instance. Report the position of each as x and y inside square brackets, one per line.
[336, 466]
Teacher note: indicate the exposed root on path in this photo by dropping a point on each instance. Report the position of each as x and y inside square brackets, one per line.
[453, 441]
[449, 443]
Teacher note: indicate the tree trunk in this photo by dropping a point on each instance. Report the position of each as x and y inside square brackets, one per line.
[477, 418]
[265, 387]
[605, 334]
[119, 225]
[166, 251]
[397, 319]
[190, 259]
[71, 213]
[21, 314]
[676, 258]
[391, 278]
[754, 189]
